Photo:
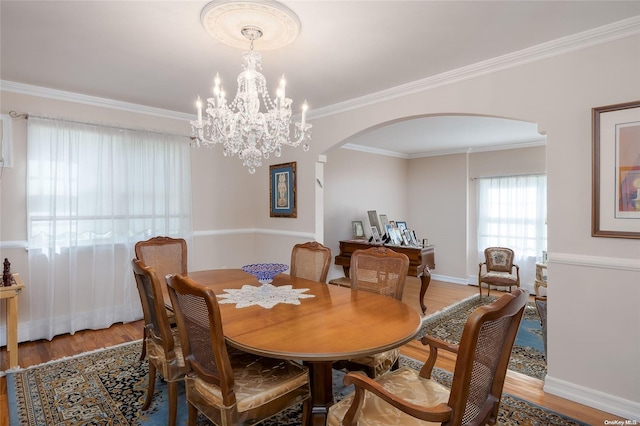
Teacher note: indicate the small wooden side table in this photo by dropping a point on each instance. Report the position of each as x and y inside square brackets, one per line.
[541, 278]
[11, 294]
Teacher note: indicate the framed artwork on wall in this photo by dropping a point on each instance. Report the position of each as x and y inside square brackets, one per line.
[282, 190]
[616, 171]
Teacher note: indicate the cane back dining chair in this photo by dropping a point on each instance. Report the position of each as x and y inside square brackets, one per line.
[498, 269]
[162, 341]
[383, 271]
[167, 256]
[410, 398]
[311, 261]
[229, 386]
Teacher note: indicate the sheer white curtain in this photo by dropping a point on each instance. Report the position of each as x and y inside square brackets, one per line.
[92, 192]
[512, 212]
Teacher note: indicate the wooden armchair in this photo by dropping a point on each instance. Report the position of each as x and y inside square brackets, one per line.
[499, 268]
[162, 342]
[407, 397]
[228, 386]
[383, 271]
[311, 261]
[166, 256]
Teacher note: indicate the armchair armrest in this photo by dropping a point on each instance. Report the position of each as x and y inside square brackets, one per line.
[435, 344]
[438, 413]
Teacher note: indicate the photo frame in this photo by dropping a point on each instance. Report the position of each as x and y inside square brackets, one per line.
[373, 220]
[375, 235]
[616, 171]
[401, 225]
[357, 230]
[282, 190]
[384, 221]
[396, 236]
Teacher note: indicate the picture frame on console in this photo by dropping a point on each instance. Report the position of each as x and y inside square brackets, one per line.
[615, 171]
[357, 230]
[373, 220]
[375, 235]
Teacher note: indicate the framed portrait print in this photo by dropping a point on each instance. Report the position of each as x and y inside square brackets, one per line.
[282, 190]
[616, 171]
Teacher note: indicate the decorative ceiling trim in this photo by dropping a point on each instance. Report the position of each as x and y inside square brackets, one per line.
[436, 153]
[606, 33]
[61, 95]
[225, 19]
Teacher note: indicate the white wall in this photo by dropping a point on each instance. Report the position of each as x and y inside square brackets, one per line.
[594, 283]
[356, 182]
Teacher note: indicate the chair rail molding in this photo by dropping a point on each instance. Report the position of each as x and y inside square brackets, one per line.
[263, 231]
[595, 261]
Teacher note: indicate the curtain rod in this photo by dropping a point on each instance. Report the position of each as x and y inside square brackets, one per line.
[501, 176]
[26, 116]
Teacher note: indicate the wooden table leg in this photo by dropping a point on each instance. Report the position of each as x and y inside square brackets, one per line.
[321, 376]
[12, 331]
[425, 280]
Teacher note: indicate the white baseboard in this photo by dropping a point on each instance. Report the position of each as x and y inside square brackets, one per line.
[448, 279]
[611, 404]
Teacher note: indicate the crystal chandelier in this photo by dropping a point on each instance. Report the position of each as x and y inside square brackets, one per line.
[241, 127]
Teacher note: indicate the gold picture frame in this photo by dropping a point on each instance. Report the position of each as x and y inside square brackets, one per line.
[282, 190]
[616, 171]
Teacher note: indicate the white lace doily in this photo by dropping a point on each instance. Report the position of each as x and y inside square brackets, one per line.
[266, 295]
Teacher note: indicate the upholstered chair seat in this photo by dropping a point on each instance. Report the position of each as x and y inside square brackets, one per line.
[257, 380]
[405, 383]
[380, 363]
[171, 369]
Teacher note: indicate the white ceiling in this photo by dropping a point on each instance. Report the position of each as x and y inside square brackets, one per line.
[157, 54]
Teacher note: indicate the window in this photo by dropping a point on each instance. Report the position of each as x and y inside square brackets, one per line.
[93, 191]
[512, 213]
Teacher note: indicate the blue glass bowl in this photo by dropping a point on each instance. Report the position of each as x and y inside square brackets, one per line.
[265, 271]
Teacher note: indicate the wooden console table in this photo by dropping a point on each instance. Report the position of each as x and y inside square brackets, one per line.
[11, 294]
[421, 261]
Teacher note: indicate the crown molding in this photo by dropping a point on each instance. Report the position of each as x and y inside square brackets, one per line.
[437, 153]
[61, 95]
[618, 30]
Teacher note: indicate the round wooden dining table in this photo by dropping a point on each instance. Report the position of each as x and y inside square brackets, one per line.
[335, 324]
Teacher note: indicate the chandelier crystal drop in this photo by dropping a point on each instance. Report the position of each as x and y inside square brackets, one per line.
[241, 127]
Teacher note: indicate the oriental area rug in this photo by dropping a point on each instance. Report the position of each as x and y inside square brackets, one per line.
[527, 356]
[108, 387]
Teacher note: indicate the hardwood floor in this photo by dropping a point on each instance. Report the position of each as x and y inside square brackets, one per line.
[439, 296]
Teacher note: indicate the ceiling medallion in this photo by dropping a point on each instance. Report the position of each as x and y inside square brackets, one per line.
[224, 21]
